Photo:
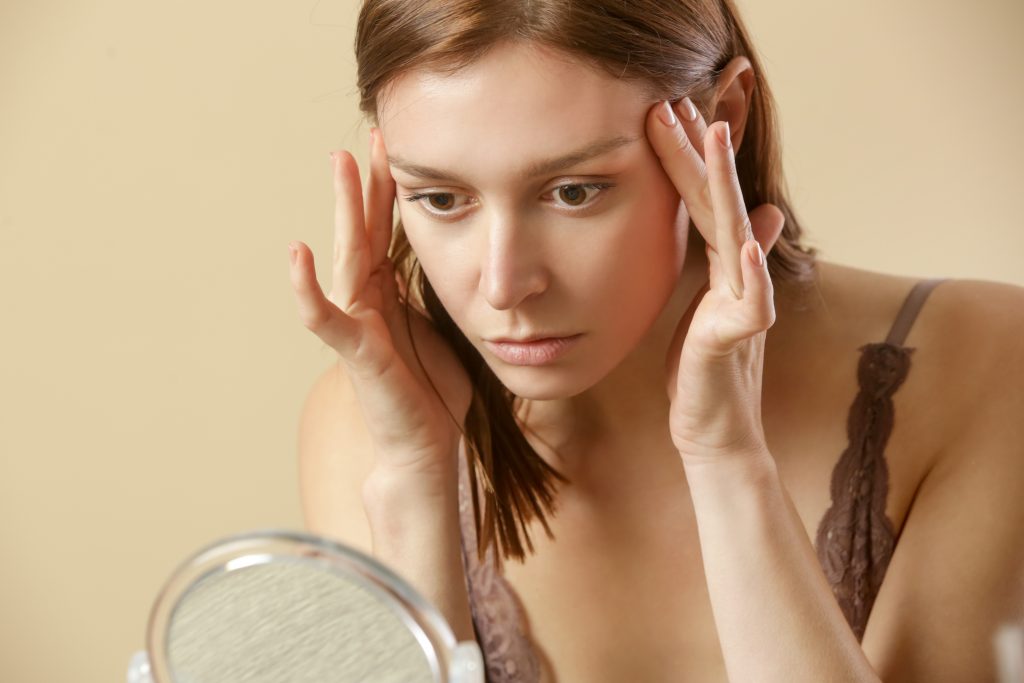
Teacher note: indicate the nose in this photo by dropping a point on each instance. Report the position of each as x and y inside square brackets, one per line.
[513, 268]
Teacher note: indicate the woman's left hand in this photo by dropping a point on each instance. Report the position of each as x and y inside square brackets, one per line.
[714, 379]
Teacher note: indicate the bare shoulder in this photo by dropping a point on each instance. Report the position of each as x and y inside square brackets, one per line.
[965, 339]
[335, 457]
[972, 330]
[958, 310]
[957, 572]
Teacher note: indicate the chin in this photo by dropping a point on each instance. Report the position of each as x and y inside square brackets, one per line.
[543, 382]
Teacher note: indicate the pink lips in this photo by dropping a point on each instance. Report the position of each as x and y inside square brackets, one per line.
[539, 352]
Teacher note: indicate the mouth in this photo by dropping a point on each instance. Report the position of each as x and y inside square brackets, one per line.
[536, 351]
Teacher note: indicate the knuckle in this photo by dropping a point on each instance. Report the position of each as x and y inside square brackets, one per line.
[745, 230]
[767, 316]
[705, 194]
[682, 139]
[315, 320]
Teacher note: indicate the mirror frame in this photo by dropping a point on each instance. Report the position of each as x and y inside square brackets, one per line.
[448, 660]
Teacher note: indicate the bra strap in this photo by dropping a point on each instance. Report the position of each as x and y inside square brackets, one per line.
[911, 307]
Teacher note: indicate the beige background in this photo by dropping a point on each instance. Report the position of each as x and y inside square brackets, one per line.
[156, 159]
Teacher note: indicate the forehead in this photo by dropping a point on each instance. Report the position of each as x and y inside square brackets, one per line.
[516, 104]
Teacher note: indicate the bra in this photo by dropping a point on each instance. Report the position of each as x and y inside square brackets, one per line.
[854, 541]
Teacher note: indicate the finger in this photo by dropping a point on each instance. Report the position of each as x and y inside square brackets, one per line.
[676, 346]
[351, 266]
[380, 201]
[381, 384]
[680, 147]
[756, 312]
[758, 294]
[732, 225]
[714, 267]
[316, 312]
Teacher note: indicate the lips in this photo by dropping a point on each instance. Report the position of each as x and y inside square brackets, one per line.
[527, 340]
[537, 352]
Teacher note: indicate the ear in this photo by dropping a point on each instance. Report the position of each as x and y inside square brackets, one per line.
[733, 94]
[767, 222]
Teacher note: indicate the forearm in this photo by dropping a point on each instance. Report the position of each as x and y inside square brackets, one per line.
[775, 614]
[415, 532]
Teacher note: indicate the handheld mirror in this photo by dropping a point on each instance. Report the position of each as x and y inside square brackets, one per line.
[273, 606]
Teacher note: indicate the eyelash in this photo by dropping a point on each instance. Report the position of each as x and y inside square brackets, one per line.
[446, 215]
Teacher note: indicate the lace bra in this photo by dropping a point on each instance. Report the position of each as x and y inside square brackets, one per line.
[854, 540]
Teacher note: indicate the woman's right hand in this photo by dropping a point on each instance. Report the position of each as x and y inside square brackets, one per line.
[364, 321]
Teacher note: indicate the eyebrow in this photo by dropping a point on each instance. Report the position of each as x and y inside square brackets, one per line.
[538, 168]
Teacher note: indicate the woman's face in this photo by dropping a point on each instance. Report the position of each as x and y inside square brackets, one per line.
[516, 246]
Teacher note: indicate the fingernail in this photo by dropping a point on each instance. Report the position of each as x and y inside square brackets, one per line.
[333, 158]
[666, 114]
[756, 254]
[724, 136]
[292, 252]
[371, 138]
[689, 111]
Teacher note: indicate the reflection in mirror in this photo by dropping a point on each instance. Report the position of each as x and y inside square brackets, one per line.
[282, 618]
[283, 606]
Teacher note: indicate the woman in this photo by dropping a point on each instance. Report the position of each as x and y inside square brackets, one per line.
[684, 496]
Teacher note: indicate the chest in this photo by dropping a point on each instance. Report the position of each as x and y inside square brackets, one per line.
[621, 593]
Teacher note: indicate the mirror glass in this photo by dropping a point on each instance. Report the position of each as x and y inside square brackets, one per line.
[280, 621]
[272, 606]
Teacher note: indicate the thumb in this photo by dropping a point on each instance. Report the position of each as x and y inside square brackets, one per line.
[757, 286]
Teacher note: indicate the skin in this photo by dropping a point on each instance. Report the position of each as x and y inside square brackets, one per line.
[508, 258]
[616, 407]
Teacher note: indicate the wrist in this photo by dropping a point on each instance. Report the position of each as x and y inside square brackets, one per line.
[754, 466]
[387, 490]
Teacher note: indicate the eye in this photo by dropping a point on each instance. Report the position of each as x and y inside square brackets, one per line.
[573, 197]
[575, 194]
[441, 203]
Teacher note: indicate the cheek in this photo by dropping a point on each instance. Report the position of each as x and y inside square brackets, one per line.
[656, 233]
[639, 269]
[666, 222]
[440, 264]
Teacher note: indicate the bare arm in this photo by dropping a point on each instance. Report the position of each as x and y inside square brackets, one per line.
[380, 430]
[412, 528]
[957, 572]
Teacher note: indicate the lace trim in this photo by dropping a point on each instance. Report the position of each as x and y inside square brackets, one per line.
[497, 614]
[855, 540]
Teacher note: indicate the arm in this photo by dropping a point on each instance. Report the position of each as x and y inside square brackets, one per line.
[957, 572]
[775, 614]
[380, 431]
[416, 531]
[403, 524]
[776, 618]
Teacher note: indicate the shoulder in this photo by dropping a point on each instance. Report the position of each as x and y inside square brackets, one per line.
[335, 454]
[965, 339]
[973, 329]
[957, 572]
[967, 362]
[963, 314]
[982, 319]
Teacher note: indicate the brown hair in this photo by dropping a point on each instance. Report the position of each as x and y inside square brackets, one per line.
[670, 48]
